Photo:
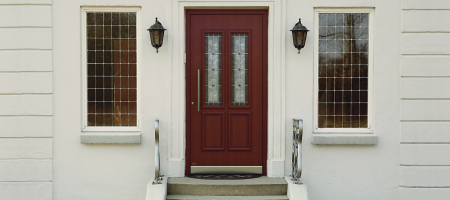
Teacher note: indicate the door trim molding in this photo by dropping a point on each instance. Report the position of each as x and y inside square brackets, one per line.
[276, 81]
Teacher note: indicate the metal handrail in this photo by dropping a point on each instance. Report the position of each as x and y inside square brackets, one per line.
[297, 150]
[158, 176]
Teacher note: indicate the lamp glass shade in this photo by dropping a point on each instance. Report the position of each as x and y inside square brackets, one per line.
[156, 37]
[299, 38]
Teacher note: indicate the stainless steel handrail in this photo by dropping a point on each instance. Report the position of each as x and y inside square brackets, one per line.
[297, 150]
[158, 176]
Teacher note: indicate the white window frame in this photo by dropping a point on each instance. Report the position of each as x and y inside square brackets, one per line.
[84, 124]
[369, 128]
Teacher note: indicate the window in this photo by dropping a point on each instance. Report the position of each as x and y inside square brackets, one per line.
[110, 67]
[343, 70]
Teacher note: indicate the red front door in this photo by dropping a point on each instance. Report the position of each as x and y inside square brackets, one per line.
[226, 73]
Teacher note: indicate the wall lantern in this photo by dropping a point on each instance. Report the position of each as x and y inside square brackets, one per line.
[299, 35]
[156, 34]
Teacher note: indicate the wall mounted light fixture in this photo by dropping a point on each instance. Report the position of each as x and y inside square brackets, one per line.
[299, 35]
[156, 34]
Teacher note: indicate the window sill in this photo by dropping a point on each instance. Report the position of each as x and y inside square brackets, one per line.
[344, 139]
[110, 138]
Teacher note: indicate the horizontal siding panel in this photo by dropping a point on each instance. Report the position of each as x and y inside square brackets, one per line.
[425, 66]
[425, 154]
[26, 105]
[426, 43]
[429, 4]
[424, 193]
[26, 82]
[17, 2]
[25, 38]
[25, 148]
[424, 176]
[28, 60]
[26, 170]
[426, 21]
[36, 126]
[26, 190]
[425, 88]
[22, 16]
[425, 109]
[426, 132]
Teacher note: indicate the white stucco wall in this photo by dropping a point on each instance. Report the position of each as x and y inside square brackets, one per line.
[99, 171]
[115, 171]
[26, 92]
[348, 171]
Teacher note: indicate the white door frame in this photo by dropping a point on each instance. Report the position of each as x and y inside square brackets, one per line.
[276, 80]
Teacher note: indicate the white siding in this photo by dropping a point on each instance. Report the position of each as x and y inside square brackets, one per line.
[26, 99]
[426, 65]
[26, 82]
[425, 100]
[26, 104]
[29, 60]
[425, 154]
[425, 88]
[25, 148]
[425, 110]
[424, 193]
[36, 126]
[26, 190]
[429, 4]
[425, 132]
[25, 38]
[424, 176]
[25, 170]
[25, 2]
[20, 16]
[426, 21]
[426, 43]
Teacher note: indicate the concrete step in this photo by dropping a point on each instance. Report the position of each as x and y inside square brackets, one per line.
[192, 197]
[262, 186]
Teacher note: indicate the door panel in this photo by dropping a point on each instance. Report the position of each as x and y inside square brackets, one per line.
[229, 48]
[240, 131]
[213, 128]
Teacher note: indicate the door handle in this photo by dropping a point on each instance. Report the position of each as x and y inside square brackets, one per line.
[198, 90]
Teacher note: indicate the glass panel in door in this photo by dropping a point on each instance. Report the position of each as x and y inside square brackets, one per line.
[213, 69]
[239, 69]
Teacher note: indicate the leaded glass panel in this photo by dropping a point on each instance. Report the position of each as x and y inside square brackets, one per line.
[213, 69]
[343, 70]
[111, 69]
[239, 69]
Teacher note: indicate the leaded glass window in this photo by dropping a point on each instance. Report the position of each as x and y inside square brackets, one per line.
[343, 70]
[239, 69]
[111, 68]
[213, 69]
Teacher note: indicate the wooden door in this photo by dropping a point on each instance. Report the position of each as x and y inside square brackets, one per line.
[226, 74]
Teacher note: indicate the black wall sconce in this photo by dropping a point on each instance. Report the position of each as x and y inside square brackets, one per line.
[156, 34]
[299, 33]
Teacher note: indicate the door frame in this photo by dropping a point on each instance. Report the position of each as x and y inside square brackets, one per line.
[188, 88]
[276, 122]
